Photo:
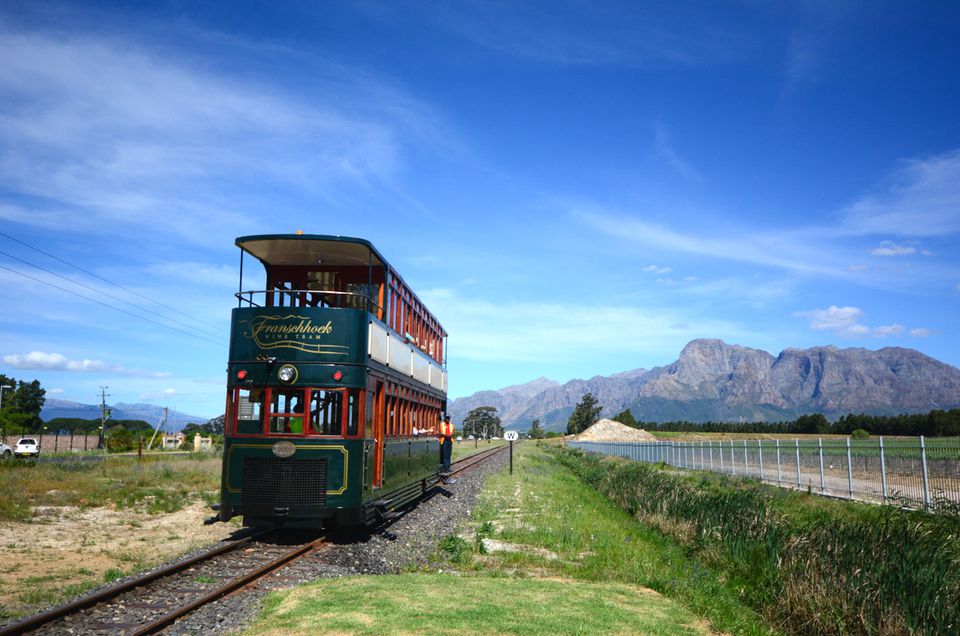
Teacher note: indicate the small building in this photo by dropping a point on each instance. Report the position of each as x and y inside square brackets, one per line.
[173, 442]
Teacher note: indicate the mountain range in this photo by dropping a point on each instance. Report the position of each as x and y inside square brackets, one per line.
[151, 414]
[710, 381]
[716, 381]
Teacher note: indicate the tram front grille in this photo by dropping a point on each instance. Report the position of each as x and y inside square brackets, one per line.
[284, 483]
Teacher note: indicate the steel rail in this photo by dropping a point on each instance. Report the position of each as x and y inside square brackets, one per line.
[90, 600]
[477, 458]
[228, 588]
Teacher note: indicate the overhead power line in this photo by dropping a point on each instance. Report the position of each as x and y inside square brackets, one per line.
[100, 291]
[97, 276]
[129, 313]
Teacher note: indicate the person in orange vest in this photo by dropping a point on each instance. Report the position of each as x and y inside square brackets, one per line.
[446, 444]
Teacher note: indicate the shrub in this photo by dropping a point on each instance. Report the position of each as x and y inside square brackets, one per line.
[120, 440]
[456, 548]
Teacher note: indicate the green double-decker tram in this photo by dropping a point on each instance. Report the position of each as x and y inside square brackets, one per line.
[336, 381]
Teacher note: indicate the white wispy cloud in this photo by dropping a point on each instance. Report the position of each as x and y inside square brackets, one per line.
[919, 199]
[889, 248]
[572, 32]
[43, 361]
[887, 331]
[775, 250]
[159, 395]
[847, 322]
[656, 269]
[802, 57]
[842, 321]
[99, 131]
[752, 291]
[665, 151]
[195, 273]
[555, 332]
[921, 332]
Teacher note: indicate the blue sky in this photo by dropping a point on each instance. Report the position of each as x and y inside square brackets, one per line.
[574, 188]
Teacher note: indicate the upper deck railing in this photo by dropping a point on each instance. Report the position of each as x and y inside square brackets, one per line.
[308, 298]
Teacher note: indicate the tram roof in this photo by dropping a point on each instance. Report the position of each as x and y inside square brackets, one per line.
[304, 250]
[310, 249]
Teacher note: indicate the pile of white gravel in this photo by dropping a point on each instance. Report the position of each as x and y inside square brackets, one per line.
[610, 431]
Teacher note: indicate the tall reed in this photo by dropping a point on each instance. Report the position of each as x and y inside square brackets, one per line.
[810, 565]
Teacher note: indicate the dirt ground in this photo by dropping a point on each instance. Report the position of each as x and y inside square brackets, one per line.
[62, 551]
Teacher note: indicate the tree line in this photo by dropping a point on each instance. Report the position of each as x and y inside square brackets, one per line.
[936, 423]
[21, 402]
[20, 405]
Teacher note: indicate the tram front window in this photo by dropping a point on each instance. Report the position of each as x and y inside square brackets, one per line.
[326, 412]
[286, 412]
[250, 411]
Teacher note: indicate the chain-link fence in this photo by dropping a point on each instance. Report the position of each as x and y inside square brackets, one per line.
[911, 472]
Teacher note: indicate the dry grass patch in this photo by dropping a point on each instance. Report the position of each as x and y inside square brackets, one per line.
[74, 526]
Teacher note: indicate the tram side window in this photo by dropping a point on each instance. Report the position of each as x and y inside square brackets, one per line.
[353, 412]
[286, 412]
[326, 412]
[368, 423]
[250, 412]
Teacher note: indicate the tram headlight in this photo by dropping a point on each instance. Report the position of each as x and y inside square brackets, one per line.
[287, 373]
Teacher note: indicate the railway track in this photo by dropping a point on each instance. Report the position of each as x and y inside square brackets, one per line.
[151, 602]
[472, 460]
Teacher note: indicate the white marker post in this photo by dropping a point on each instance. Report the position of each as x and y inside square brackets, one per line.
[511, 436]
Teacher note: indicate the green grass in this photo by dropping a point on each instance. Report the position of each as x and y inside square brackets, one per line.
[543, 505]
[155, 484]
[40, 591]
[579, 565]
[112, 575]
[440, 604]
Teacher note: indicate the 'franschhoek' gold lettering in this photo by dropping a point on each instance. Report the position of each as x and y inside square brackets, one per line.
[262, 326]
[272, 332]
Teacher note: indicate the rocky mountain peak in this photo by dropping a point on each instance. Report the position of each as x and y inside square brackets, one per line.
[713, 380]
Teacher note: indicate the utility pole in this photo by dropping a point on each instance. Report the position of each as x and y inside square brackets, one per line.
[160, 424]
[103, 415]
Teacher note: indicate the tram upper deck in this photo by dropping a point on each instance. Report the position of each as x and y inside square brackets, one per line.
[309, 278]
